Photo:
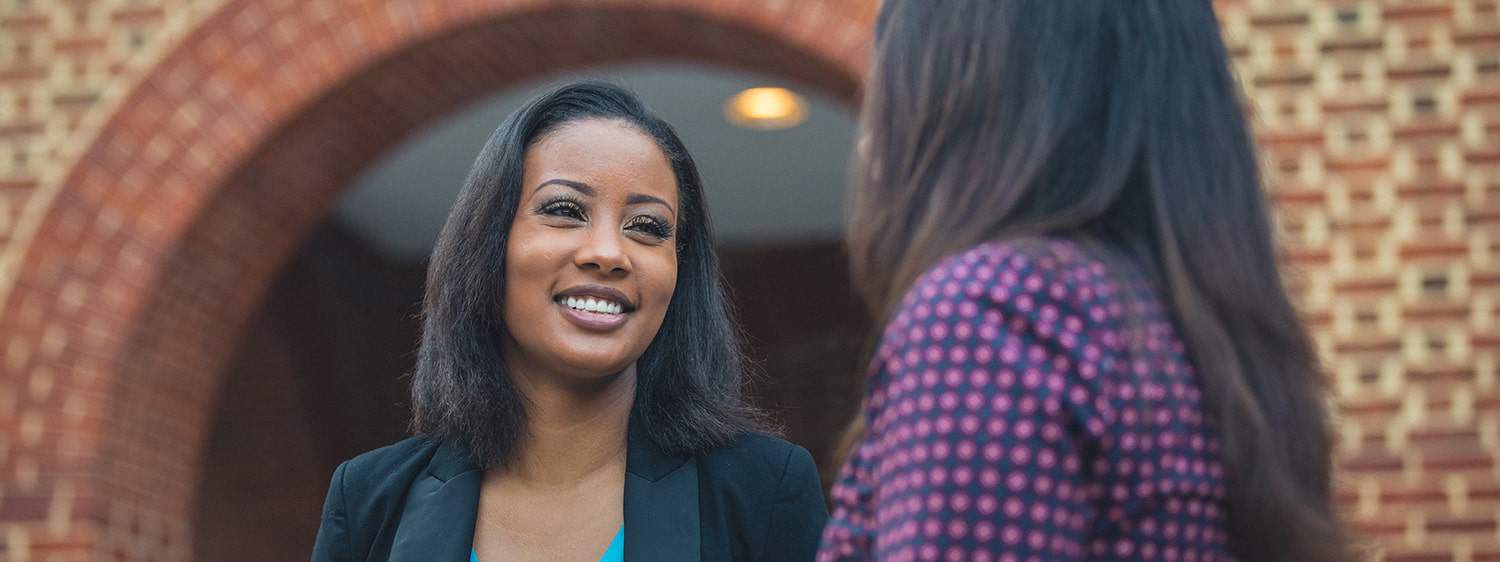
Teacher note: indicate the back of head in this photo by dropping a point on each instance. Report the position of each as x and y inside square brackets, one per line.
[1118, 124]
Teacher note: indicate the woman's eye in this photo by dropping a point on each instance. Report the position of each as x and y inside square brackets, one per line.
[652, 226]
[566, 209]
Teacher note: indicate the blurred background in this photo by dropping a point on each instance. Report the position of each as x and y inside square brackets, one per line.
[215, 216]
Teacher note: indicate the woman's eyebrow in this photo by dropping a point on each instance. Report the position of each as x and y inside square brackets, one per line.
[638, 198]
[578, 186]
[586, 189]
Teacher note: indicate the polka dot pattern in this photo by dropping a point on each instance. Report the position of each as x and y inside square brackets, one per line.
[1017, 413]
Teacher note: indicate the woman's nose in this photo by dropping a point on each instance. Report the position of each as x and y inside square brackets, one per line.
[604, 251]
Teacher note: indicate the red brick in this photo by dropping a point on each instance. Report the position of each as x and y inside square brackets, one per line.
[73, 45]
[1348, 165]
[1456, 313]
[137, 15]
[1350, 287]
[1477, 38]
[1280, 20]
[1293, 139]
[12, 130]
[1430, 190]
[1357, 45]
[1416, 11]
[1434, 249]
[1462, 526]
[1431, 72]
[1368, 462]
[1480, 97]
[1299, 79]
[24, 23]
[1438, 131]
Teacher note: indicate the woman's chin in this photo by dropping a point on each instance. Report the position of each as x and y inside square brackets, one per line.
[596, 367]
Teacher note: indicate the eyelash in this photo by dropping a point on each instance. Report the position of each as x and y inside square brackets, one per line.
[564, 207]
[573, 209]
[650, 225]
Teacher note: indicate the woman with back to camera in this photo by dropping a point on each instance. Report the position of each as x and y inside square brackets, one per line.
[1088, 353]
[577, 391]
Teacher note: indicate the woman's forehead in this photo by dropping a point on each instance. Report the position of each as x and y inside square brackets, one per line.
[610, 155]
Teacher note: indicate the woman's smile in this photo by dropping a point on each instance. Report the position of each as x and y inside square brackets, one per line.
[594, 307]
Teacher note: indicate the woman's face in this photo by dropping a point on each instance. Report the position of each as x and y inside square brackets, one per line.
[592, 258]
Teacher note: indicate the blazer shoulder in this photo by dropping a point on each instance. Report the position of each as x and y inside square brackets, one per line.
[759, 458]
[763, 500]
[365, 498]
[387, 470]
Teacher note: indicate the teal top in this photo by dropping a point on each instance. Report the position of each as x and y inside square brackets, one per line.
[615, 552]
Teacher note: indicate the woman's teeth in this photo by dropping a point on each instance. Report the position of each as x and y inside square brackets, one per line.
[590, 304]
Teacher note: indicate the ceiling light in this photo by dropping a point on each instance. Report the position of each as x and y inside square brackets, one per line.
[766, 109]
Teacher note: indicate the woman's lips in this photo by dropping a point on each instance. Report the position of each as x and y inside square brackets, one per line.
[589, 296]
[590, 320]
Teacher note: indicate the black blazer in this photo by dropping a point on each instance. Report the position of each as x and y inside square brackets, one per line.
[756, 499]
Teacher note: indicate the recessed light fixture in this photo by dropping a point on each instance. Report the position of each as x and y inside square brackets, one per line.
[766, 109]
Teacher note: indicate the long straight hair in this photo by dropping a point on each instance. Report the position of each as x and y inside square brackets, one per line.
[1117, 124]
[689, 380]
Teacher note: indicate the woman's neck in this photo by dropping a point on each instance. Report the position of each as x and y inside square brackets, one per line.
[575, 429]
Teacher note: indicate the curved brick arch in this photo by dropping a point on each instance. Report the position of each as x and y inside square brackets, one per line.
[169, 228]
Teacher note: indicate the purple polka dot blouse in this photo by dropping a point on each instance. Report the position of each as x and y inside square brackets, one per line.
[1015, 412]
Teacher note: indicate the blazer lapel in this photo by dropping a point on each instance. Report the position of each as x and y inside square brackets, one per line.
[661, 507]
[661, 503]
[437, 523]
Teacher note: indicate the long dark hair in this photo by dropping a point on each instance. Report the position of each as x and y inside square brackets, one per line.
[1117, 124]
[688, 389]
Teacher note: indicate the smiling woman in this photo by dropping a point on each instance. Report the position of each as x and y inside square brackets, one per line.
[577, 391]
[594, 240]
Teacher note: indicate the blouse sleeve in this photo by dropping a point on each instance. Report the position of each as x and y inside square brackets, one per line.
[983, 408]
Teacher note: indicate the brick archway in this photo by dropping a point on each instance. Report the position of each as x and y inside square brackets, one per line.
[220, 160]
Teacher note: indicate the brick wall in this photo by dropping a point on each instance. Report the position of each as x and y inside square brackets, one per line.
[160, 158]
[1378, 125]
[135, 251]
